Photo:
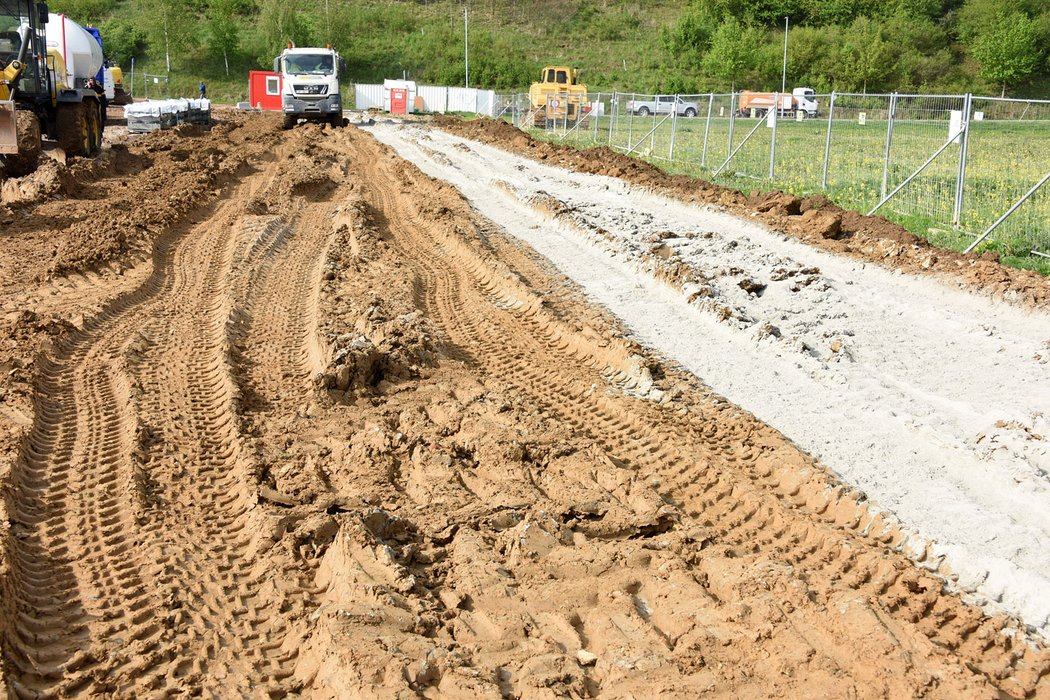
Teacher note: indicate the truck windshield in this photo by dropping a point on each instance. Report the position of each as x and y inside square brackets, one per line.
[315, 64]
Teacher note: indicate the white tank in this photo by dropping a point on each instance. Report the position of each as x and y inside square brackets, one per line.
[80, 50]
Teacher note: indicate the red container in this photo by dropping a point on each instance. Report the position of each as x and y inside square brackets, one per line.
[264, 90]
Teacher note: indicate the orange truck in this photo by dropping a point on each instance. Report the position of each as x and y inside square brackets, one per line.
[802, 100]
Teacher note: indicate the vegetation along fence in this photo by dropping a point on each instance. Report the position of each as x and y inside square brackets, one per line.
[962, 169]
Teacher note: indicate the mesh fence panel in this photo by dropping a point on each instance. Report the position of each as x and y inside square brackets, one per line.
[857, 149]
[801, 139]
[752, 140]
[1008, 153]
[855, 159]
[922, 124]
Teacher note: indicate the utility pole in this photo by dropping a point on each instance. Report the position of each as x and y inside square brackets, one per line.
[327, 22]
[784, 71]
[466, 48]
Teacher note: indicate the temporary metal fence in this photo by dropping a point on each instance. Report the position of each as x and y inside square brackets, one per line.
[953, 164]
[158, 86]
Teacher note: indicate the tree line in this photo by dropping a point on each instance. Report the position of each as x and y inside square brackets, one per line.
[659, 45]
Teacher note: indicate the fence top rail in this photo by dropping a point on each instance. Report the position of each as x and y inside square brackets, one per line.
[1017, 100]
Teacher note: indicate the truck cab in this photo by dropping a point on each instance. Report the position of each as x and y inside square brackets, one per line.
[310, 85]
[806, 101]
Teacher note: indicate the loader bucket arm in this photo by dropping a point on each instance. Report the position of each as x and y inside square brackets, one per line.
[8, 81]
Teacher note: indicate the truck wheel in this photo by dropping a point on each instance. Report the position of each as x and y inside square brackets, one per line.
[335, 121]
[690, 112]
[290, 120]
[74, 136]
[643, 112]
[27, 127]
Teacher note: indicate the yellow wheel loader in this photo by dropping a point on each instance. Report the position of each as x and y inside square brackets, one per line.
[44, 86]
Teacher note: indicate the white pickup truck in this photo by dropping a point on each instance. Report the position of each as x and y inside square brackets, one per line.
[663, 104]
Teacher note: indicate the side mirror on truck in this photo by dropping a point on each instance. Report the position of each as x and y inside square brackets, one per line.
[277, 65]
[42, 12]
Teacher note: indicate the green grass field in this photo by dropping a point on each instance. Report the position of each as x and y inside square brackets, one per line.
[1005, 159]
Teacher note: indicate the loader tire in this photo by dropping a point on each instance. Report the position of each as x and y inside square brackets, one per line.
[94, 114]
[74, 130]
[26, 160]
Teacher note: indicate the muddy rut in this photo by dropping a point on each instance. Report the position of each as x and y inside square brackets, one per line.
[347, 439]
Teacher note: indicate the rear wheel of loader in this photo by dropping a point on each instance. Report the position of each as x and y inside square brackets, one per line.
[94, 126]
[28, 156]
[74, 132]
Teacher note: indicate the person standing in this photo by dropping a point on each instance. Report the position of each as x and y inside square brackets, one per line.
[203, 89]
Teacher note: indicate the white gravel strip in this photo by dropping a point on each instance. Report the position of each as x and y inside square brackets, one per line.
[932, 402]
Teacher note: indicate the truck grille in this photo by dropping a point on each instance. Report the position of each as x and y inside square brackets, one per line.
[311, 89]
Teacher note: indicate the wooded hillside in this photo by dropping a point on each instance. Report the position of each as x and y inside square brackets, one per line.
[983, 46]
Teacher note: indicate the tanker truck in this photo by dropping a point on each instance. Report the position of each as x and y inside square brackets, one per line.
[46, 61]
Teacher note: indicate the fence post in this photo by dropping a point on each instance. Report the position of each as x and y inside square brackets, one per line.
[827, 145]
[889, 143]
[964, 148]
[594, 115]
[674, 128]
[773, 142]
[656, 110]
[614, 102]
[630, 121]
[732, 122]
[707, 129]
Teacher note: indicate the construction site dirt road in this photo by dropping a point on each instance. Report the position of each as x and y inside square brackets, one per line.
[283, 415]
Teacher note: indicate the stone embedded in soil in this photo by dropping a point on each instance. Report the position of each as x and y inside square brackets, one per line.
[824, 224]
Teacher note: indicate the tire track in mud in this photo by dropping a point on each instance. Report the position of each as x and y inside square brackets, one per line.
[138, 561]
[728, 476]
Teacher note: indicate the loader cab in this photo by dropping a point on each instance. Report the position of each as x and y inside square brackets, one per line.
[33, 83]
[558, 75]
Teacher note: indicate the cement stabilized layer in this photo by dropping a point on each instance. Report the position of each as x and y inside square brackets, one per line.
[931, 400]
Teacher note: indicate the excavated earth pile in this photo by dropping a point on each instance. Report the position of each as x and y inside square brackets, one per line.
[303, 423]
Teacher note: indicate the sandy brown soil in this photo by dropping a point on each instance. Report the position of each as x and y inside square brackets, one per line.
[327, 433]
[815, 220]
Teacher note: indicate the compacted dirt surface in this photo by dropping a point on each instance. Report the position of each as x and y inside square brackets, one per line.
[281, 415]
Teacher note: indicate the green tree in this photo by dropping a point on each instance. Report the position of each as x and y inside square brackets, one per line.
[866, 56]
[168, 26]
[732, 48]
[90, 12]
[1008, 50]
[223, 30]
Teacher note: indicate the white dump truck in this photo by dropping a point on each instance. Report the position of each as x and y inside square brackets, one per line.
[310, 85]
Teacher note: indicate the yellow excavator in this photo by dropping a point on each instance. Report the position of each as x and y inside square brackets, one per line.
[558, 97]
[45, 90]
